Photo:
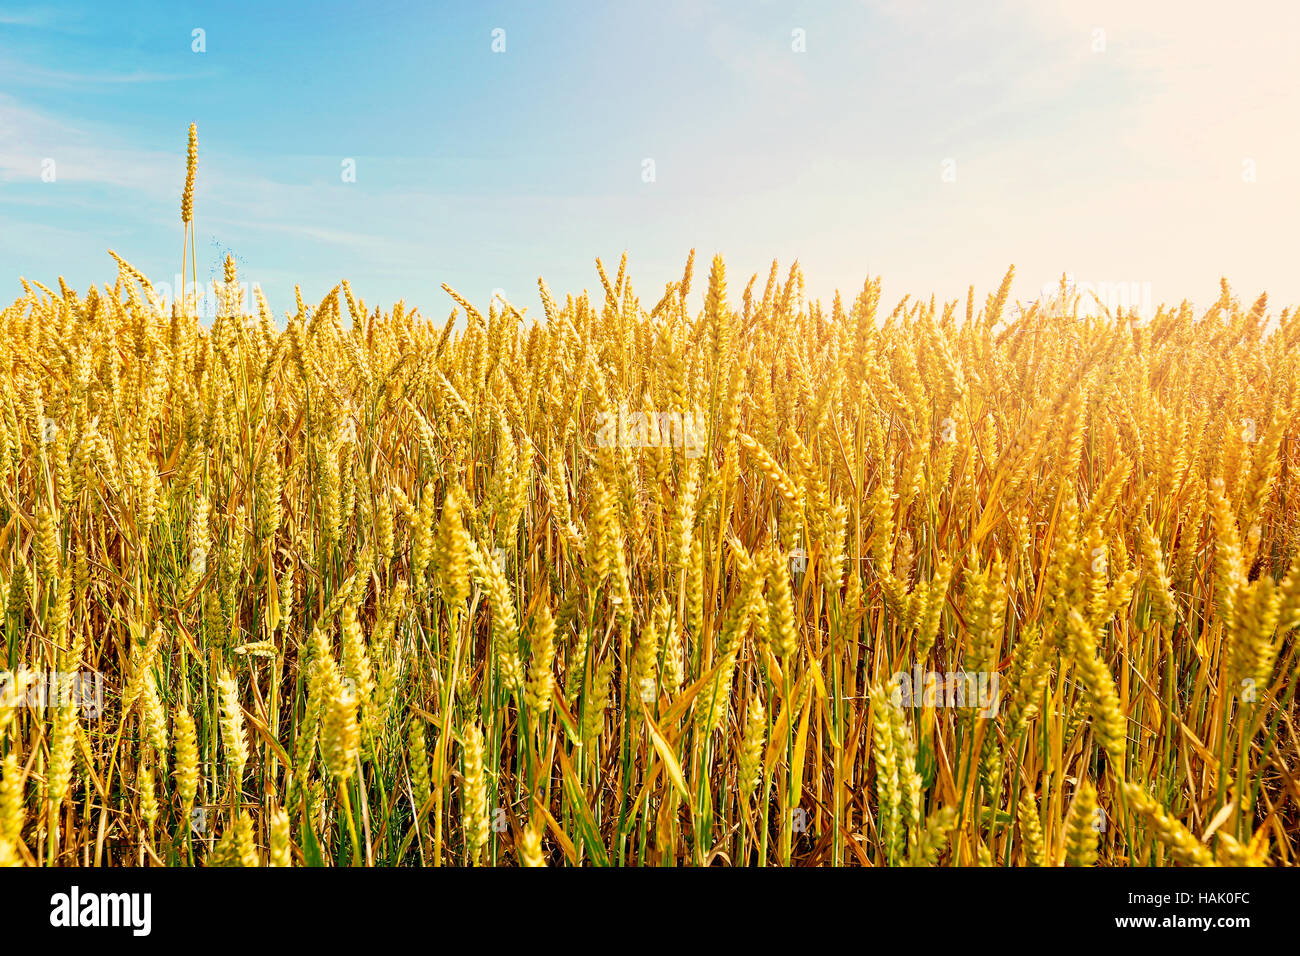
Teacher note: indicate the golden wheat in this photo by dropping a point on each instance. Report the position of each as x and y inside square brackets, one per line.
[843, 586]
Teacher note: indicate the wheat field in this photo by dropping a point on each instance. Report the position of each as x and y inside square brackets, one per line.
[763, 583]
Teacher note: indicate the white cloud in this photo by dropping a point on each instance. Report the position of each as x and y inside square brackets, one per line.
[29, 137]
[32, 17]
[22, 74]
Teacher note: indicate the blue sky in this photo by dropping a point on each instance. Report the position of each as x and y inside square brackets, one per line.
[1154, 146]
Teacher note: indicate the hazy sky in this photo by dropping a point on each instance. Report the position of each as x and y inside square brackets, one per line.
[929, 143]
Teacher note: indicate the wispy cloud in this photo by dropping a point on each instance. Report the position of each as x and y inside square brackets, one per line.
[29, 137]
[1123, 164]
[15, 73]
[31, 17]
[772, 68]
